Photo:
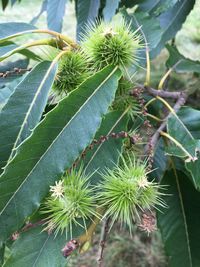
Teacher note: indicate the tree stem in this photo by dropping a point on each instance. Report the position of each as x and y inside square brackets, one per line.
[104, 234]
[154, 139]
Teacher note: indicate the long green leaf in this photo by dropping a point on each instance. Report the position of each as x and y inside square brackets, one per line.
[24, 108]
[10, 30]
[55, 144]
[179, 223]
[45, 251]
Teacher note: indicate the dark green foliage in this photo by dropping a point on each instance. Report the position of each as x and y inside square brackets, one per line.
[61, 152]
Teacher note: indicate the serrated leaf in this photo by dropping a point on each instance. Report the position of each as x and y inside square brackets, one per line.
[38, 249]
[55, 14]
[24, 108]
[110, 9]
[86, 12]
[184, 64]
[179, 223]
[55, 144]
[106, 154]
[10, 30]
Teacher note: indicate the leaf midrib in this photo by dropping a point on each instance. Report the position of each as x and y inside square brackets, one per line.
[40, 251]
[73, 117]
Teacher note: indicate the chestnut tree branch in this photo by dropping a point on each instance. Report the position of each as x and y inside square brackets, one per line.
[164, 94]
[154, 139]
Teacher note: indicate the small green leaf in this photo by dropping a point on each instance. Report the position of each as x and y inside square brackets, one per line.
[54, 145]
[179, 223]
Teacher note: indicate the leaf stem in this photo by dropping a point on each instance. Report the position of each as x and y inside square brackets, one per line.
[166, 104]
[163, 79]
[86, 238]
[150, 102]
[49, 41]
[104, 234]
[60, 36]
[148, 73]
[154, 117]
